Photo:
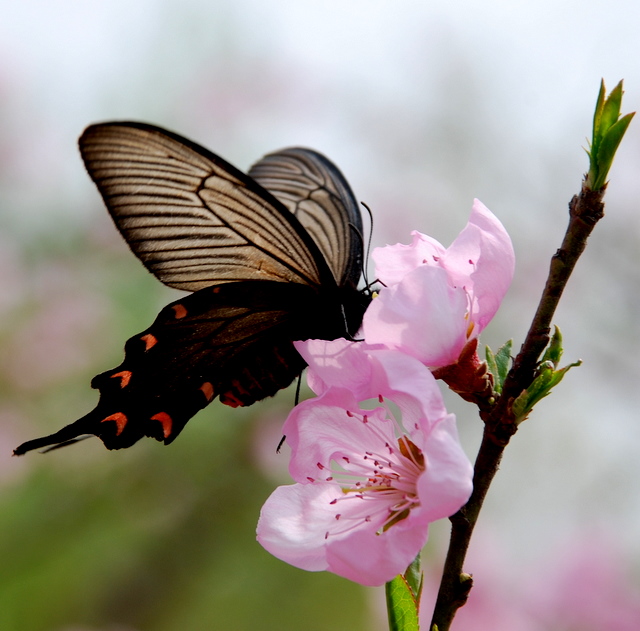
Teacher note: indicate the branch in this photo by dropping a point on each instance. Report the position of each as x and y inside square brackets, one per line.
[585, 210]
[496, 409]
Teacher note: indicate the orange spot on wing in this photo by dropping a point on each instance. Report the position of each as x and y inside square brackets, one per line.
[239, 387]
[180, 310]
[120, 420]
[149, 341]
[166, 421]
[280, 358]
[207, 389]
[233, 398]
[228, 398]
[125, 377]
[216, 290]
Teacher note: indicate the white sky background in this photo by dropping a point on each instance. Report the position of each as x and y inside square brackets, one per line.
[424, 106]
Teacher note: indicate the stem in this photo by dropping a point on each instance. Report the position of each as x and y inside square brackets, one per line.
[585, 210]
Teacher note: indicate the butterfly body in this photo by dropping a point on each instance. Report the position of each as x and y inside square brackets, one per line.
[266, 268]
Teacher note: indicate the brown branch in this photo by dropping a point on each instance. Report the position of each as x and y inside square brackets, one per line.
[585, 210]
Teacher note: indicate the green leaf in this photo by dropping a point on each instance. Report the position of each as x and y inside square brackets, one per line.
[597, 115]
[413, 574]
[547, 378]
[503, 359]
[491, 365]
[498, 364]
[402, 606]
[403, 598]
[554, 350]
[608, 130]
[608, 147]
[611, 109]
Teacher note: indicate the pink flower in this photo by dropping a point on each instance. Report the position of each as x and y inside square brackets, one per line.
[368, 481]
[588, 584]
[584, 583]
[436, 299]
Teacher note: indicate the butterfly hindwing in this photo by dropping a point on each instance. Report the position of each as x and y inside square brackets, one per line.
[231, 341]
[318, 195]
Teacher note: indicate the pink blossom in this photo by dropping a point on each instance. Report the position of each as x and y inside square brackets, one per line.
[587, 585]
[584, 583]
[368, 481]
[436, 299]
[368, 371]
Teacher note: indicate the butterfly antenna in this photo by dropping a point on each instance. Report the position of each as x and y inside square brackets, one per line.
[358, 234]
[347, 334]
[297, 400]
[368, 252]
[369, 285]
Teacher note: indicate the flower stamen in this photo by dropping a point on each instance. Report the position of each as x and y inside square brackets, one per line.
[385, 483]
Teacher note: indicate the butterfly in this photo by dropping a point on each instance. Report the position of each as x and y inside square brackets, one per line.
[271, 257]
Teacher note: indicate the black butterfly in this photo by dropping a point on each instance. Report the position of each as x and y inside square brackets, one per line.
[272, 257]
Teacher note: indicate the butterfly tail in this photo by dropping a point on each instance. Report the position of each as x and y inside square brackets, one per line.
[67, 435]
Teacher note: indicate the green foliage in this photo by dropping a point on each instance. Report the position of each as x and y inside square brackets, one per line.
[150, 537]
[403, 599]
[608, 130]
[547, 377]
[499, 364]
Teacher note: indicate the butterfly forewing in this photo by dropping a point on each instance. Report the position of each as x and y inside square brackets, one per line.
[319, 196]
[192, 218]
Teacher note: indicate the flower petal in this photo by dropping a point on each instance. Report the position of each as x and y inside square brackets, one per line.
[331, 428]
[394, 262]
[293, 523]
[446, 485]
[336, 363]
[423, 316]
[374, 559]
[481, 259]
[410, 385]
[369, 372]
[296, 524]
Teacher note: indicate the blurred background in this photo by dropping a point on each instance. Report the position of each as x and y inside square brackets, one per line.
[423, 106]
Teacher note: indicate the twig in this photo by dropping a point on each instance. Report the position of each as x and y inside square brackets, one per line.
[585, 210]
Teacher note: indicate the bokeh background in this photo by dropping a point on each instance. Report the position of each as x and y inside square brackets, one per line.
[424, 106]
